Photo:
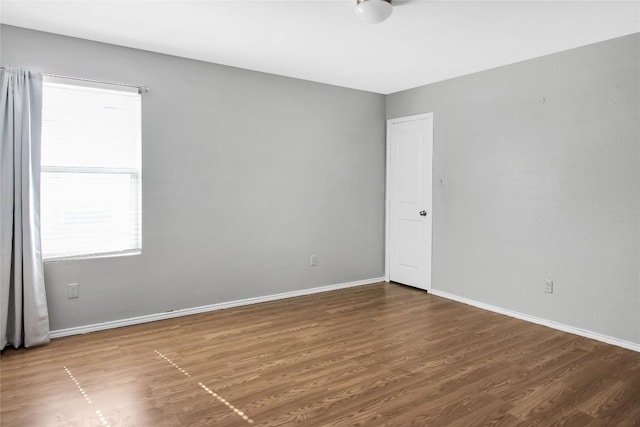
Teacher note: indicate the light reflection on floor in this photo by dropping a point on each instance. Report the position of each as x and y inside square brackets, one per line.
[118, 403]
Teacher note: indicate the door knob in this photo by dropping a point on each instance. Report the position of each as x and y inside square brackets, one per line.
[423, 213]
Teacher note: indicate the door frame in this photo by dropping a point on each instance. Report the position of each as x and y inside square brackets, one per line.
[387, 199]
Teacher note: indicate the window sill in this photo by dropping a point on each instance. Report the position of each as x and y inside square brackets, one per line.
[92, 256]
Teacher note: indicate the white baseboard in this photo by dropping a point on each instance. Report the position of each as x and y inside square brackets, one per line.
[544, 322]
[205, 308]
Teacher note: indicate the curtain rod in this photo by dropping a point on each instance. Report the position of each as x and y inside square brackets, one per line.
[141, 89]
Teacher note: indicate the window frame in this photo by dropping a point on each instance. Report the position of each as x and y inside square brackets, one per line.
[135, 174]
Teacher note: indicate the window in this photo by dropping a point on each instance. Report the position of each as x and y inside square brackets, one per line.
[91, 170]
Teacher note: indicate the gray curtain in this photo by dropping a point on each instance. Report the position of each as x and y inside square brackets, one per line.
[24, 317]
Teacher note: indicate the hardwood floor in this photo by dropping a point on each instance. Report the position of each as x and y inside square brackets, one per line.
[377, 355]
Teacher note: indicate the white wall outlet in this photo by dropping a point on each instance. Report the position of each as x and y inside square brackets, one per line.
[73, 290]
[548, 286]
[313, 260]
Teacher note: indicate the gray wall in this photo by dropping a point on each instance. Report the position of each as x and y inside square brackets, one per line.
[541, 163]
[245, 175]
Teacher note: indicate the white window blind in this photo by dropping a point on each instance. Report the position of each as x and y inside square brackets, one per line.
[91, 170]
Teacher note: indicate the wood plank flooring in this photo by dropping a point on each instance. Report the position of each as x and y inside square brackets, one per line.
[377, 355]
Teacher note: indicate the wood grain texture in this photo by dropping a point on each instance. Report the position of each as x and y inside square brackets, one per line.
[377, 355]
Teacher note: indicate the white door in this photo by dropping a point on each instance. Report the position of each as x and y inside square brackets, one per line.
[409, 215]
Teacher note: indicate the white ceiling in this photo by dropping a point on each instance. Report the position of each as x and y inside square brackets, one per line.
[422, 42]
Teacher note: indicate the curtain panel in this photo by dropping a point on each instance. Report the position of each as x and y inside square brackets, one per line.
[24, 318]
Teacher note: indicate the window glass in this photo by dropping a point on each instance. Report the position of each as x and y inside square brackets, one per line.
[91, 171]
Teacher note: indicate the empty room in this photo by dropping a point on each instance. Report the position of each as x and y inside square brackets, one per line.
[320, 213]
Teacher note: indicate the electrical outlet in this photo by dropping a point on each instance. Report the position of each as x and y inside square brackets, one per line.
[73, 290]
[548, 286]
[313, 260]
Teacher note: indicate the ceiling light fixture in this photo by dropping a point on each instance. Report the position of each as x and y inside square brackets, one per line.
[373, 11]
